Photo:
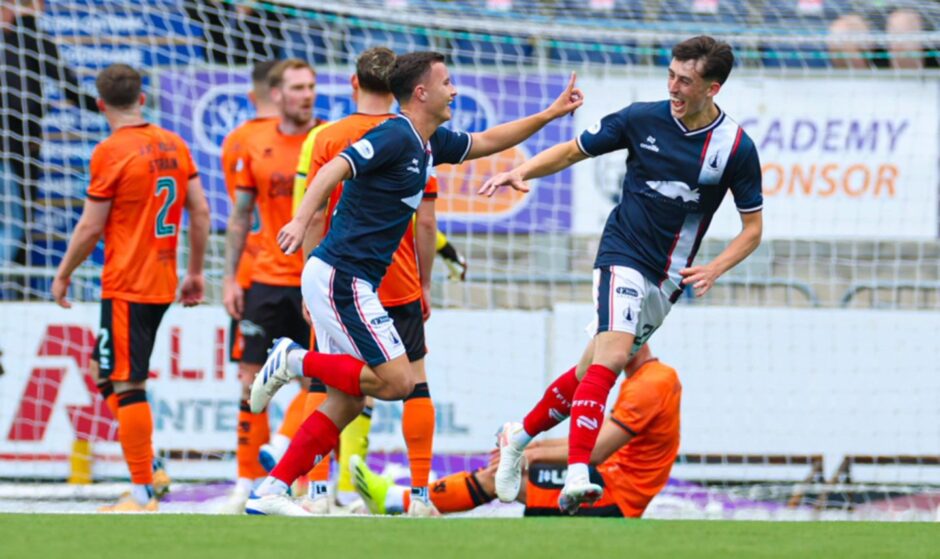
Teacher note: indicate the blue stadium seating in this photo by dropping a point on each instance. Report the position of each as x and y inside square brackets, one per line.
[593, 52]
[492, 50]
[359, 39]
[306, 40]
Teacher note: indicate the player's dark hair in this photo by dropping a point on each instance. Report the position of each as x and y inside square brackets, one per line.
[260, 71]
[373, 68]
[408, 72]
[276, 74]
[119, 86]
[715, 56]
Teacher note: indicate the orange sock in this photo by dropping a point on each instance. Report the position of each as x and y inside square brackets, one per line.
[253, 431]
[458, 492]
[417, 424]
[294, 415]
[135, 431]
[315, 397]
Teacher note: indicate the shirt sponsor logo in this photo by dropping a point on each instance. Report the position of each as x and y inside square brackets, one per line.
[650, 144]
[364, 148]
[595, 128]
[677, 190]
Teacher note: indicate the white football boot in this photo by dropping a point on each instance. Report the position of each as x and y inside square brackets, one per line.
[274, 505]
[272, 376]
[509, 471]
[318, 506]
[578, 490]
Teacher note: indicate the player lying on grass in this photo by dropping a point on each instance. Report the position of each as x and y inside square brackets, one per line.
[636, 447]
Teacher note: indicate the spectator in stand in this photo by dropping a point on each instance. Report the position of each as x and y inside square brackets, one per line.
[238, 34]
[904, 54]
[26, 58]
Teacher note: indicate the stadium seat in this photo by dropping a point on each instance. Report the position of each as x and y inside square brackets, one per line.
[358, 40]
[308, 41]
[592, 53]
[492, 50]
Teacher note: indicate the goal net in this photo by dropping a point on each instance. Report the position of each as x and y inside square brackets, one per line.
[810, 375]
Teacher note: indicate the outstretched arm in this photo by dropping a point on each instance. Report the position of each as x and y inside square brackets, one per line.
[504, 136]
[291, 236]
[702, 278]
[550, 161]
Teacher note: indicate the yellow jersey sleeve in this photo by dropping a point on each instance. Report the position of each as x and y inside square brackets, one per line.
[303, 164]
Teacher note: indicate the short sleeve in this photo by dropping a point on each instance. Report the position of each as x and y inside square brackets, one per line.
[638, 403]
[607, 135]
[431, 188]
[104, 175]
[448, 146]
[244, 178]
[746, 182]
[190, 162]
[231, 158]
[380, 146]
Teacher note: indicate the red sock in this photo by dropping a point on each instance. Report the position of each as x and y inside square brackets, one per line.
[587, 412]
[555, 405]
[339, 371]
[316, 438]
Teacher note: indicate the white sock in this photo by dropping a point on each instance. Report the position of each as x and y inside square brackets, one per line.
[421, 493]
[520, 439]
[577, 471]
[395, 499]
[271, 486]
[344, 498]
[295, 361]
[142, 493]
[317, 489]
[280, 442]
[244, 484]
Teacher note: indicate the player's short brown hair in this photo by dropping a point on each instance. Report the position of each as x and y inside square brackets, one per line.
[715, 56]
[408, 71]
[260, 71]
[276, 74]
[119, 86]
[373, 68]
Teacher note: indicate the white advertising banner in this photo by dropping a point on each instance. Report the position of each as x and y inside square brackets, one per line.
[47, 398]
[841, 157]
[794, 381]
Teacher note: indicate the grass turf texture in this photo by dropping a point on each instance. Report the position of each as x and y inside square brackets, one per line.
[228, 537]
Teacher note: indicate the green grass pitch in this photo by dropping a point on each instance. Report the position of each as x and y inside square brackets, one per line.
[230, 537]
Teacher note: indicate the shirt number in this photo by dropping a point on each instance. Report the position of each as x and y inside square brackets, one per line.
[165, 229]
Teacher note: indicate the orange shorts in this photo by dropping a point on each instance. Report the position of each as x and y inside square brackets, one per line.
[125, 340]
[544, 486]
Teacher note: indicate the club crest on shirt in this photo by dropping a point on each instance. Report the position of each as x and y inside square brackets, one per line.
[364, 148]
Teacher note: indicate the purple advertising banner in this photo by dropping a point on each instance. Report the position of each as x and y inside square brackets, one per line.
[204, 106]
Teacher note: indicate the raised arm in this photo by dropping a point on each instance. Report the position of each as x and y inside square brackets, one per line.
[291, 236]
[504, 136]
[547, 162]
[193, 287]
[84, 238]
[703, 277]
